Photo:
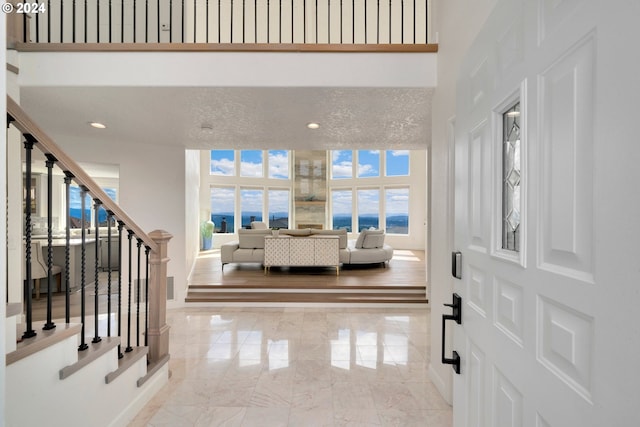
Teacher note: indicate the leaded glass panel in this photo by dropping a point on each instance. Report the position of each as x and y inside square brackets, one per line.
[511, 179]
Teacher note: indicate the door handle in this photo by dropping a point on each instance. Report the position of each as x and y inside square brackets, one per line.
[456, 264]
[456, 315]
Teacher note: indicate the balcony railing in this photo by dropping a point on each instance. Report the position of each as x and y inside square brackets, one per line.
[225, 21]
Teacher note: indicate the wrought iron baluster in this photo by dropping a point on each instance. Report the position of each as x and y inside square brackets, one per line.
[291, 21]
[121, 21]
[170, 21]
[37, 25]
[96, 337]
[73, 22]
[109, 269]
[158, 16]
[195, 17]
[365, 21]
[98, 21]
[139, 244]
[329, 21]
[219, 20]
[341, 6]
[353, 21]
[83, 260]
[129, 348]
[67, 248]
[280, 21]
[147, 249]
[120, 228]
[28, 284]
[243, 20]
[61, 20]
[255, 21]
[206, 38]
[231, 26]
[135, 15]
[304, 21]
[401, 21]
[316, 11]
[110, 19]
[146, 21]
[49, 21]
[85, 21]
[269, 19]
[183, 21]
[49, 163]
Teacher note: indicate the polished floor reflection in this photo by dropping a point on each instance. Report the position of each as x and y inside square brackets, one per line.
[272, 367]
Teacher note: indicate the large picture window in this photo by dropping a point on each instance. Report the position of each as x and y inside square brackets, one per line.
[397, 210]
[223, 209]
[368, 209]
[278, 208]
[342, 209]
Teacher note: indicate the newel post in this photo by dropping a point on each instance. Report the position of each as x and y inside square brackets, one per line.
[158, 328]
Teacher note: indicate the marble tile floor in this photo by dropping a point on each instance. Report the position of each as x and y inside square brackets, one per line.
[271, 367]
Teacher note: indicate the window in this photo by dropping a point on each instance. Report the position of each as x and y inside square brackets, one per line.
[278, 208]
[223, 209]
[222, 163]
[397, 163]
[75, 207]
[368, 209]
[511, 169]
[342, 209]
[368, 163]
[251, 163]
[278, 161]
[397, 210]
[341, 164]
[250, 206]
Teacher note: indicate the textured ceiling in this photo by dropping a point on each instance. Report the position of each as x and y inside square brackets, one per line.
[236, 117]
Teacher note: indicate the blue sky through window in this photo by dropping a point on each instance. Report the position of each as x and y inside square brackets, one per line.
[397, 210]
[222, 163]
[341, 164]
[279, 164]
[368, 163]
[251, 163]
[397, 162]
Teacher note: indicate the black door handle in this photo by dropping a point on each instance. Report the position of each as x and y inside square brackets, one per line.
[457, 316]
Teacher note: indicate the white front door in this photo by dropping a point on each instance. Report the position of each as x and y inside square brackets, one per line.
[547, 217]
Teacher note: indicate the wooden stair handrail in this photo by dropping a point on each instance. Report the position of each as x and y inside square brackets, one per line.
[27, 126]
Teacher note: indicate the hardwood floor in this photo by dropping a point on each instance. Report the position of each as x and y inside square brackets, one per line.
[402, 281]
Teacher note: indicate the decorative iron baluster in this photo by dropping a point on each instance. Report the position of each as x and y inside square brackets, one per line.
[49, 163]
[98, 21]
[67, 248]
[147, 249]
[401, 21]
[139, 244]
[170, 21]
[49, 21]
[73, 22]
[121, 21]
[206, 38]
[96, 337]
[85, 21]
[146, 21]
[38, 25]
[109, 269]
[243, 19]
[279, 21]
[341, 21]
[231, 24]
[365, 21]
[353, 21]
[61, 20]
[316, 13]
[110, 19]
[158, 29]
[219, 20]
[304, 21]
[28, 284]
[291, 21]
[255, 21]
[389, 21]
[183, 21]
[129, 348]
[120, 228]
[195, 17]
[83, 261]
[269, 19]
[135, 11]
[414, 21]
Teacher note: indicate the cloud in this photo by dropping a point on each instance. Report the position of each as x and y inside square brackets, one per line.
[252, 170]
[397, 201]
[368, 202]
[278, 165]
[342, 202]
[224, 167]
[397, 153]
[278, 200]
[251, 200]
[367, 170]
[222, 199]
[343, 169]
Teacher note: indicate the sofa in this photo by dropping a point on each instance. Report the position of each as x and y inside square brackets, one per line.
[368, 248]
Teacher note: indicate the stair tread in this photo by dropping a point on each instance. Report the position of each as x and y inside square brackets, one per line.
[305, 297]
[308, 286]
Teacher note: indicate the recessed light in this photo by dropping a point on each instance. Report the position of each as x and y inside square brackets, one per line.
[97, 125]
[313, 125]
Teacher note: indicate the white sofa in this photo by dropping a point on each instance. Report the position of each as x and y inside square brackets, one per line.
[369, 248]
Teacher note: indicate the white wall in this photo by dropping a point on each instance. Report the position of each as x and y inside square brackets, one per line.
[151, 191]
[457, 24]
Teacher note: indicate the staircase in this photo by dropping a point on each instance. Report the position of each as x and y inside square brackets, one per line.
[400, 284]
